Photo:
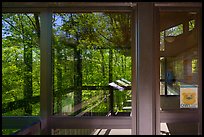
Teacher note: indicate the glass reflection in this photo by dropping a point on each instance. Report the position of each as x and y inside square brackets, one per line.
[90, 51]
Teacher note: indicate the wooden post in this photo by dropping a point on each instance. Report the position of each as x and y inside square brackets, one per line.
[45, 71]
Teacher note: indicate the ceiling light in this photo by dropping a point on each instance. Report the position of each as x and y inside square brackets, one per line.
[170, 39]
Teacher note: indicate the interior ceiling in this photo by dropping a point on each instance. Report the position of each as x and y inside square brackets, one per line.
[171, 19]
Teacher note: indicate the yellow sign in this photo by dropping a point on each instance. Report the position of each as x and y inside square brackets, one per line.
[188, 96]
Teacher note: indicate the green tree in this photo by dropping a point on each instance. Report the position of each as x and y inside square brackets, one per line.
[20, 40]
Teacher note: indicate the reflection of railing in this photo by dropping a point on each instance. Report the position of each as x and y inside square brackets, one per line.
[175, 89]
[10, 106]
[17, 104]
[86, 103]
[97, 100]
[33, 129]
[73, 131]
[172, 90]
[88, 109]
[120, 85]
[26, 124]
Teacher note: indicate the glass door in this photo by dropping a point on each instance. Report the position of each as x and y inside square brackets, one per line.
[179, 72]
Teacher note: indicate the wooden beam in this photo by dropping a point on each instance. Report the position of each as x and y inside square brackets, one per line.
[18, 122]
[93, 122]
[45, 70]
[145, 89]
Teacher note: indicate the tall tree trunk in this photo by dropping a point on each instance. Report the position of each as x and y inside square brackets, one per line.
[28, 90]
[125, 67]
[122, 67]
[111, 97]
[78, 81]
[37, 23]
[102, 64]
[53, 70]
[59, 80]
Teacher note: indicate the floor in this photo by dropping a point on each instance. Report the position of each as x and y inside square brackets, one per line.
[164, 131]
[112, 132]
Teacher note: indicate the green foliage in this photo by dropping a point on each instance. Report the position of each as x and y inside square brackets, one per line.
[191, 24]
[9, 131]
[81, 54]
[20, 62]
[81, 57]
[174, 31]
[194, 65]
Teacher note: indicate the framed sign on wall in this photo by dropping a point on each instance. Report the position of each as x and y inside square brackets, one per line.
[188, 96]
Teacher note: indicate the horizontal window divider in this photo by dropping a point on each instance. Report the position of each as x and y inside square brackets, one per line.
[10, 106]
[33, 129]
[92, 122]
[18, 122]
[179, 116]
[100, 88]
[74, 7]
[178, 4]
[72, 89]
[67, 4]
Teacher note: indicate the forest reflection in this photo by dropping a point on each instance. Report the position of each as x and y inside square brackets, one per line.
[89, 51]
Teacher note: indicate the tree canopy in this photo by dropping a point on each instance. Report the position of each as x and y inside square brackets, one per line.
[89, 50]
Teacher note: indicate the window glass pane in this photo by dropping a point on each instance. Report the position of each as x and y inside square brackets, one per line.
[162, 67]
[194, 65]
[162, 45]
[174, 31]
[162, 88]
[179, 72]
[178, 64]
[191, 24]
[90, 51]
[20, 64]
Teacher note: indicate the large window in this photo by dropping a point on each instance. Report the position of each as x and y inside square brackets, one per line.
[93, 69]
[20, 65]
[90, 51]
